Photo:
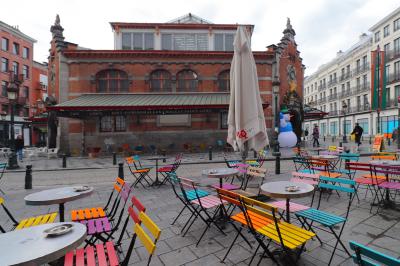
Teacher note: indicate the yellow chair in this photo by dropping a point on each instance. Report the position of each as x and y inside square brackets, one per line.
[27, 222]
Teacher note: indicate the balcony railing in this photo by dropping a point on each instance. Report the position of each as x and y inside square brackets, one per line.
[346, 93]
[321, 87]
[333, 97]
[345, 76]
[393, 77]
[361, 69]
[332, 82]
[392, 55]
[333, 113]
[322, 100]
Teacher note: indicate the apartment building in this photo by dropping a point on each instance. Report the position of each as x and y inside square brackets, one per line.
[342, 87]
[16, 54]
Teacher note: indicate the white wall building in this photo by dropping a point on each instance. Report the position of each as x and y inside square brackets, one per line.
[346, 81]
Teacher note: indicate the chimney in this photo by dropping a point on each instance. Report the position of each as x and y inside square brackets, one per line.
[362, 36]
[339, 53]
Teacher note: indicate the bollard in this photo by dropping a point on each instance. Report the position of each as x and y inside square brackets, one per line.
[370, 141]
[114, 158]
[324, 138]
[121, 170]
[210, 153]
[28, 177]
[254, 154]
[277, 165]
[388, 141]
[64, 161]
[340, 144]
[333, 139]
[164, 153]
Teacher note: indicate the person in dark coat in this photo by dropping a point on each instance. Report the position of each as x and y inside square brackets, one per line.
[19, 145]
[358, 131]
[315, 135]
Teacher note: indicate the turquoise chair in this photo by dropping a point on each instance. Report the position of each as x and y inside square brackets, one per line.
[365, 256]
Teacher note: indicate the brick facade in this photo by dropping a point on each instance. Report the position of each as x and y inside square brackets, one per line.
[73, 71]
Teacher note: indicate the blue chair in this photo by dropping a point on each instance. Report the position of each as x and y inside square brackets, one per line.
[3, 167]
[347, 157]
[326, 221]
[367, 256]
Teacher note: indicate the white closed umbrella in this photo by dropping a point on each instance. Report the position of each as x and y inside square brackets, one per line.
[246, 122]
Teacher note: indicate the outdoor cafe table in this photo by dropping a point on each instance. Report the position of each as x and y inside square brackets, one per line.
[387, 202]
[157, 182]
[220, 173]
[30, 246]
[57, 196]
[318, 149]
[278, 190]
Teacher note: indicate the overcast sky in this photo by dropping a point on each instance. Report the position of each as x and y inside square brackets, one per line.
[322, 26]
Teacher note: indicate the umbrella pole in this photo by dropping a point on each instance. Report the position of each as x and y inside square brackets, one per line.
[245, 152]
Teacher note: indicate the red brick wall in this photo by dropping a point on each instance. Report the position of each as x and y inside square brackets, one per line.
[4, 76]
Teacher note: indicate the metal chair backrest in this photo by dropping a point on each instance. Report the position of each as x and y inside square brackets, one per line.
[367, 256]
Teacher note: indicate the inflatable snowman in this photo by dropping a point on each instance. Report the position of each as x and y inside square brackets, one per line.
[286, 136]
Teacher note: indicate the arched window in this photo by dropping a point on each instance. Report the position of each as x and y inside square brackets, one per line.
[186, 81]
[112, 80]
[224, 80]
[160, 80]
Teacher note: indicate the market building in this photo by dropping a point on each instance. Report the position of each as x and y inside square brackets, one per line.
[165, 85]
[342, 87]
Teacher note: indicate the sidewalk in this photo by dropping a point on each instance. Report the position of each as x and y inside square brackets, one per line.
[105, 162]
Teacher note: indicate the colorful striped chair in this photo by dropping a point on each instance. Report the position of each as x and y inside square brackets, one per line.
[138, 172]
[367, 256]
[106, 253]
[27, 222]
[108, 210]
[260, 219]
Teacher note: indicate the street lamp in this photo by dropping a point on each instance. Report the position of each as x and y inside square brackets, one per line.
[344, 108]
[12, 94]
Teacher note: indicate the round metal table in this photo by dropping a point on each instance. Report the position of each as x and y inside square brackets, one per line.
[157, 182]
[31, 246]
[56, 196]
[278, 190]
[220, 173]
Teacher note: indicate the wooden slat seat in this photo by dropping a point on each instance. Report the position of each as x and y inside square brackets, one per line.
[101, 254]
[293, 236]
[321, 217]
[226, 186]
[257, 220]
[37, 220]
[191, 194]
[374, 176]
[88, 213]
[97, 226]
[208, 201]
[368, 181]
[329, 174]
[293, 207]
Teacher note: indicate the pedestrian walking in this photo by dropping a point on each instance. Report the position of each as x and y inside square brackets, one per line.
[19, 145]
[315, 135]
[306, 134]
[357, 131]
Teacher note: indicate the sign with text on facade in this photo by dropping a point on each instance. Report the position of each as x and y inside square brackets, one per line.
[377, 144]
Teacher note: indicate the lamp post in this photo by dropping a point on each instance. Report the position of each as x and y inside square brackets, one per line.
[276, 151]
[344, 108]
[12, 94]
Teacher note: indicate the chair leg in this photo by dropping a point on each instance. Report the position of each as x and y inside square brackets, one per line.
[255, 254]
[230, 247]
[338, 241]
[176, 218]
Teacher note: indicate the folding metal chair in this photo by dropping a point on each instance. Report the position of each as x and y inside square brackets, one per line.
[27, 222]
[138, 172]
[345, 158]
[206, 208]
[327, 220]
[367, 256]
[106, 254]
[109, 210]
[102, 228]
[190, 194]
[172, 168]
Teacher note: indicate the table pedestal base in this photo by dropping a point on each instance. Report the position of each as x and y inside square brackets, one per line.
[61, 212]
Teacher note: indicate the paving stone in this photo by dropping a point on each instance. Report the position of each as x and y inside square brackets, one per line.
[387, 243]
[205, 247]
[178, 257]
[207, 260]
